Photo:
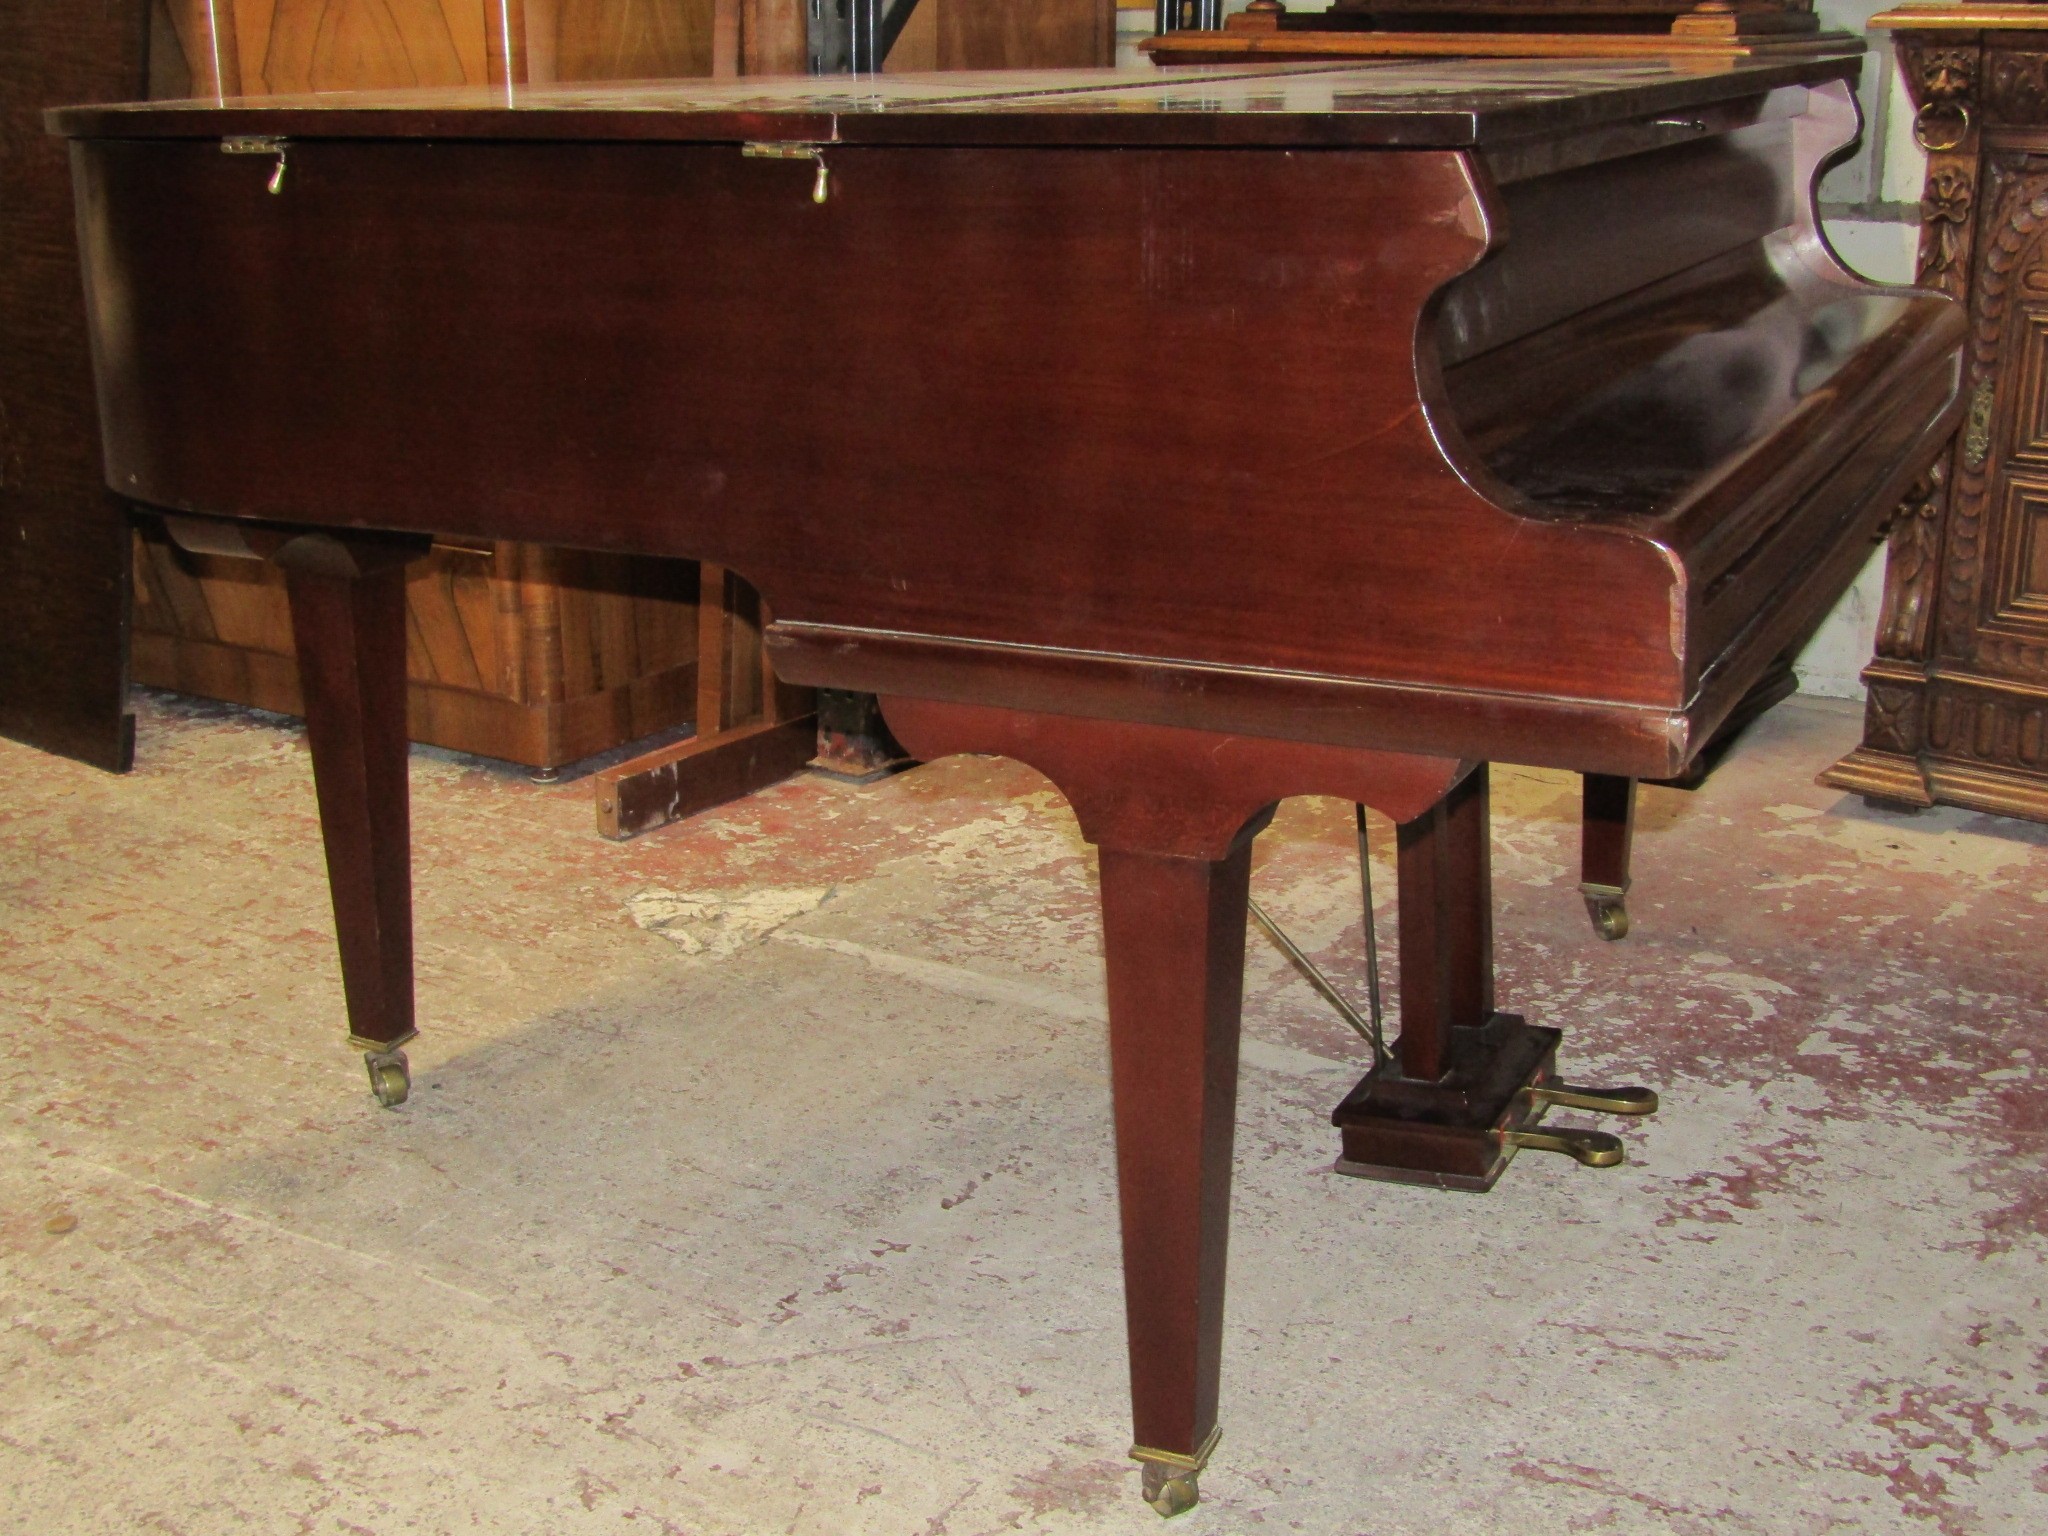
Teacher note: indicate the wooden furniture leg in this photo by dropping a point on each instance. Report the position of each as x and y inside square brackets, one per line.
[1607, 831]
[1607, 828]
[1174, 813]
[1173, 944]
[348, 621]
[347, 595]
[753, 729]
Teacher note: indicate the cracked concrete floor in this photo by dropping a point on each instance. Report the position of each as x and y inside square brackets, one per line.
[756, 1177]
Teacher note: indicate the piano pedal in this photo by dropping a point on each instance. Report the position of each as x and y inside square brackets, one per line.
[1603, 1101]
[1607, 905]
[1592, 1149]
[1462, 1131]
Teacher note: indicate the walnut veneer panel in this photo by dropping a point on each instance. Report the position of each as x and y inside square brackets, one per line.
[516, 651]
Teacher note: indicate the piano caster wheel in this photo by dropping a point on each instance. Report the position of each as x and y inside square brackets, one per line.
[1170, 1490]
[1610, 916]
[1170, 1476]
[390, 1077]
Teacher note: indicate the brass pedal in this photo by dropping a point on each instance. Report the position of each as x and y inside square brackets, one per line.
[1606, 1101]
[1593, 1149]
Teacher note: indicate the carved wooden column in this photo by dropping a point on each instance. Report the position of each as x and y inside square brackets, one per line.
[1958, 690]
[1940, 72]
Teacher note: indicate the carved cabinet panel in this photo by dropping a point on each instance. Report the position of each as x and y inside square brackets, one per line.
[1957, 711]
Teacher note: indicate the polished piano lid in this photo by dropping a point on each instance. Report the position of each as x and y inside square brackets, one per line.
[1421, 103]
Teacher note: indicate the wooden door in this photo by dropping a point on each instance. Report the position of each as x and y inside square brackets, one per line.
[63, 537]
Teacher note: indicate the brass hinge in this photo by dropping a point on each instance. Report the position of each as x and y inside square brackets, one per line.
[259, 144]
[821, 185]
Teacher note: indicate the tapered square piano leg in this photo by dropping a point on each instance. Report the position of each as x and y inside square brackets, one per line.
[1606, 831]
[1173, 943]
[348, 620]
[1173, 812]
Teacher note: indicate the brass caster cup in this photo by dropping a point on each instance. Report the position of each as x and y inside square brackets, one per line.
[1610, 916]
[1170, 1476]
[1170, 1492]
[390, 1077]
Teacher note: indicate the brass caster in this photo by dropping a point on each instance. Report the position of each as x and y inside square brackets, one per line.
[1170, 1490]
[390, 1077]
[1170, 1476]
[1609, 914]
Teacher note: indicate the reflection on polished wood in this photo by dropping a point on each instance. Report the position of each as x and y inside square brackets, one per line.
[1528, 418]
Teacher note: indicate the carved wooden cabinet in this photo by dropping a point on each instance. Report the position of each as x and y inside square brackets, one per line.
[1957, 710]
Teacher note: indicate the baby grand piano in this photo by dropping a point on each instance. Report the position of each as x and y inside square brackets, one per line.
[1200, 440]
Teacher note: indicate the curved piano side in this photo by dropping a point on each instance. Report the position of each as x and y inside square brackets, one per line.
[1736, 395]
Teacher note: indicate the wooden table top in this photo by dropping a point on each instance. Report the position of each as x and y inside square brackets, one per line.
[1395, 102]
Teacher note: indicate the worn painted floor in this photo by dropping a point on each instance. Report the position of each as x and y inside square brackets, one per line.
[757, 1174]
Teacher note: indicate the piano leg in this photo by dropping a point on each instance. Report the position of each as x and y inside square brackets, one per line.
[1173, 941]
[348, 619]
[1606, 831]
[1174, 813]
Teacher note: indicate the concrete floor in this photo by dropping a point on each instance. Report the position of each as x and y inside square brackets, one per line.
[756, 1177]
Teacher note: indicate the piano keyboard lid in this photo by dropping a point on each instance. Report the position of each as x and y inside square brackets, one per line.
[1418, 103]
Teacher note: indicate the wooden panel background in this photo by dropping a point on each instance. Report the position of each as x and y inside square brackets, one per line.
[63, 537]
[272, 47]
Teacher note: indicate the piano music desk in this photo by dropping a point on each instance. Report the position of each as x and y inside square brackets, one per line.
[1197, 441]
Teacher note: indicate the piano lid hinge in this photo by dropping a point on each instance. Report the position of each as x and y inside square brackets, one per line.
[821, 185]
[259, 144]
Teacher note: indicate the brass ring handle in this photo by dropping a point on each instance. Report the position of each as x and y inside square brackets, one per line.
[1953, 113]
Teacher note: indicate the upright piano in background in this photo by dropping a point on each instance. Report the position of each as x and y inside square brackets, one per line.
[1199, 440]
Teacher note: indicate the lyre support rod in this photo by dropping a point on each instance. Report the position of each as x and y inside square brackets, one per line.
[1368, 1029]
